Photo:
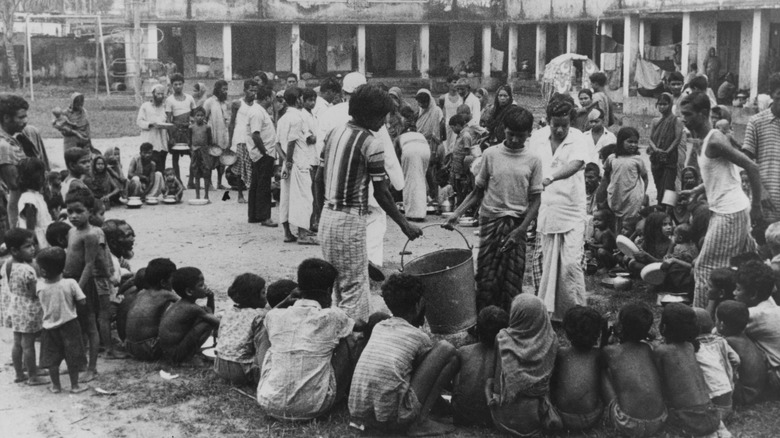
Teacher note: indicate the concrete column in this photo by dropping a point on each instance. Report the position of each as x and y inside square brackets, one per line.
[425, 37]
[295, 45]
[487, 46]
[541, 49]
[131, 64]
[760, 40]
[606, 30]
[685, 52]
[571, 37]
[511, 49]
[151, 41]
[641, 39]
[227, 52]
[630, 43]
[361, 47]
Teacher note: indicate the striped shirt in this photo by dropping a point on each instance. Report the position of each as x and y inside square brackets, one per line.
[762, 140]
[381, 385]
[352, 156]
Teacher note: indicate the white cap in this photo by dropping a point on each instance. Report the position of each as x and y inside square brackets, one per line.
[352, 81]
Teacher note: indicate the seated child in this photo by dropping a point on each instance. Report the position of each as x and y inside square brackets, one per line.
[722, 283]
[755, 282]
[576, 381]
[401, 372]
[603, 243]
[146, 311]
[57, 234]
[306, 370]
[114, 168]
[751, 379]
[477, 364]
[185, 325]
[103, 186]
[62, 300]
[129, 291]
[631, 383]
[518, 391]
[687, 396]
[144, 178]
[22, 307]
[772, 236]
[282, 294]
[678, 261]
[239, 331]
[717, 362]
[172, 187]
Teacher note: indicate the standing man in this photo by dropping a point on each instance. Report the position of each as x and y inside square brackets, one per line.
[330, 88]
[561, 223]
[464, 91]
[263, 156]
[353, 157]
[218, 116]
[178, 108]
[598, 135]
[762, 143]
[248, 121]
[728, 232]
[152, 120]
[449, 104]
[13, 119]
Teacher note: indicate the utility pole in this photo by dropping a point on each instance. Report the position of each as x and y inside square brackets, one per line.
[137, 38]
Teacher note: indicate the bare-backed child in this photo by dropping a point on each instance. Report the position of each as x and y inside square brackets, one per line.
[477, 364]
[631, 383]
[142, 328]
[603, 243]
[755, 281]
[240, 331]
[62, 301]
[718, 361]
[57, 234]
[78, 162]
[185, 325]
[691, 413]
[751, 377]
[722, 283]
[172, 186]
[88, 261]
[144, 179]
[576, 380]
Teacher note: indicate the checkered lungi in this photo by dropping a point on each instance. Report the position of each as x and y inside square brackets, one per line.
[727, 236]
[243, 164]
[343, 241]
[536, 259]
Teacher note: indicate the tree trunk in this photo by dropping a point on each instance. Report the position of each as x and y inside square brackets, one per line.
[13, 67]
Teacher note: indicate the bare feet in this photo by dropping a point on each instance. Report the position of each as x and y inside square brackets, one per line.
[55, 389]
[241, 201]
[20, 378]
[78, 389]
[89, 376]
[36, 381]
[290, 238]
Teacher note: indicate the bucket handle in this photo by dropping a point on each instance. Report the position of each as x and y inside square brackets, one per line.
[404, 252]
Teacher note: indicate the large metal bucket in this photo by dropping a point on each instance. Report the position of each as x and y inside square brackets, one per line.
[450, 289]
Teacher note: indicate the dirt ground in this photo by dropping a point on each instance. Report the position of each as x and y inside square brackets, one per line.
[217, 239]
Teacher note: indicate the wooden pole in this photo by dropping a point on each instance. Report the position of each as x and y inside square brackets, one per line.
[29, 52]
[97, 65]
[103, 51]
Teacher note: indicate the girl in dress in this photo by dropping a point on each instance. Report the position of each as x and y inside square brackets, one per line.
[625, 176]
[34, 213]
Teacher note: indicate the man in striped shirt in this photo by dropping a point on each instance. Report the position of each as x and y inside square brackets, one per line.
[351, 158]
[762, 143]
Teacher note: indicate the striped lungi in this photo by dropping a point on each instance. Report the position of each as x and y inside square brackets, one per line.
[727, 236]
[499, 274]
[343, 240]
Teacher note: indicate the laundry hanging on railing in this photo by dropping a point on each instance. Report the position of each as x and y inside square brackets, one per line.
[647, 74]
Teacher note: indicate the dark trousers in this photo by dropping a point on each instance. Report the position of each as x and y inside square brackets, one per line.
[159, 158]
[260, 189]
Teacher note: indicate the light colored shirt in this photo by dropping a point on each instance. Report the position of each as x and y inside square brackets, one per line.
[218, 116]
[762, 137]
[764, 329]
[297, 380]
[267, 135]
[293, 127]
[320, 106]
[476, 109]
[607, 138]
[563, 201]
[238, 329]
[508, 177]
[178, 107]
[248, 120]
[717, 361]
[58, 301]
[150, 113]
[722, 182]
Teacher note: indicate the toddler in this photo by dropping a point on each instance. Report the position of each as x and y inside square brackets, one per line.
[33, 211]
[477, 364]
[602, 246]
[240, 331]
[687, 396]
[751, 377]
[576, 380]
[459, 176]
[282, 293]
[678, 261]
[25, 314]
[683, 247]
[631, 381]
[54, 200]
[62, 301]
[172, 187]
[185, 326]
[722, 283]
[64, 125]
[201, 161]
[717, 361]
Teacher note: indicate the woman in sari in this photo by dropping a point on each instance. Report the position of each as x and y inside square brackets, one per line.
[394, 121]
[665, 135]
[518, 393]
[429, 120]
[78, 134]
[501, 105]
[199, 94]
[415, 154]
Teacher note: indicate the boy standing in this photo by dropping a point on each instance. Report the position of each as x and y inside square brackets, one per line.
[401, 371]
[78, 162]
[145, 179]
[89, 262]
[459, 173]
[61, 339]
[631, 383]
[185, 326]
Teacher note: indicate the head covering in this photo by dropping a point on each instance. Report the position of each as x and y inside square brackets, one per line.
[396, 92]
[527, 349]
[429, 118]
[78, 118]
[158, 87]
[463, 82]
[485, 96]
[352, 81]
